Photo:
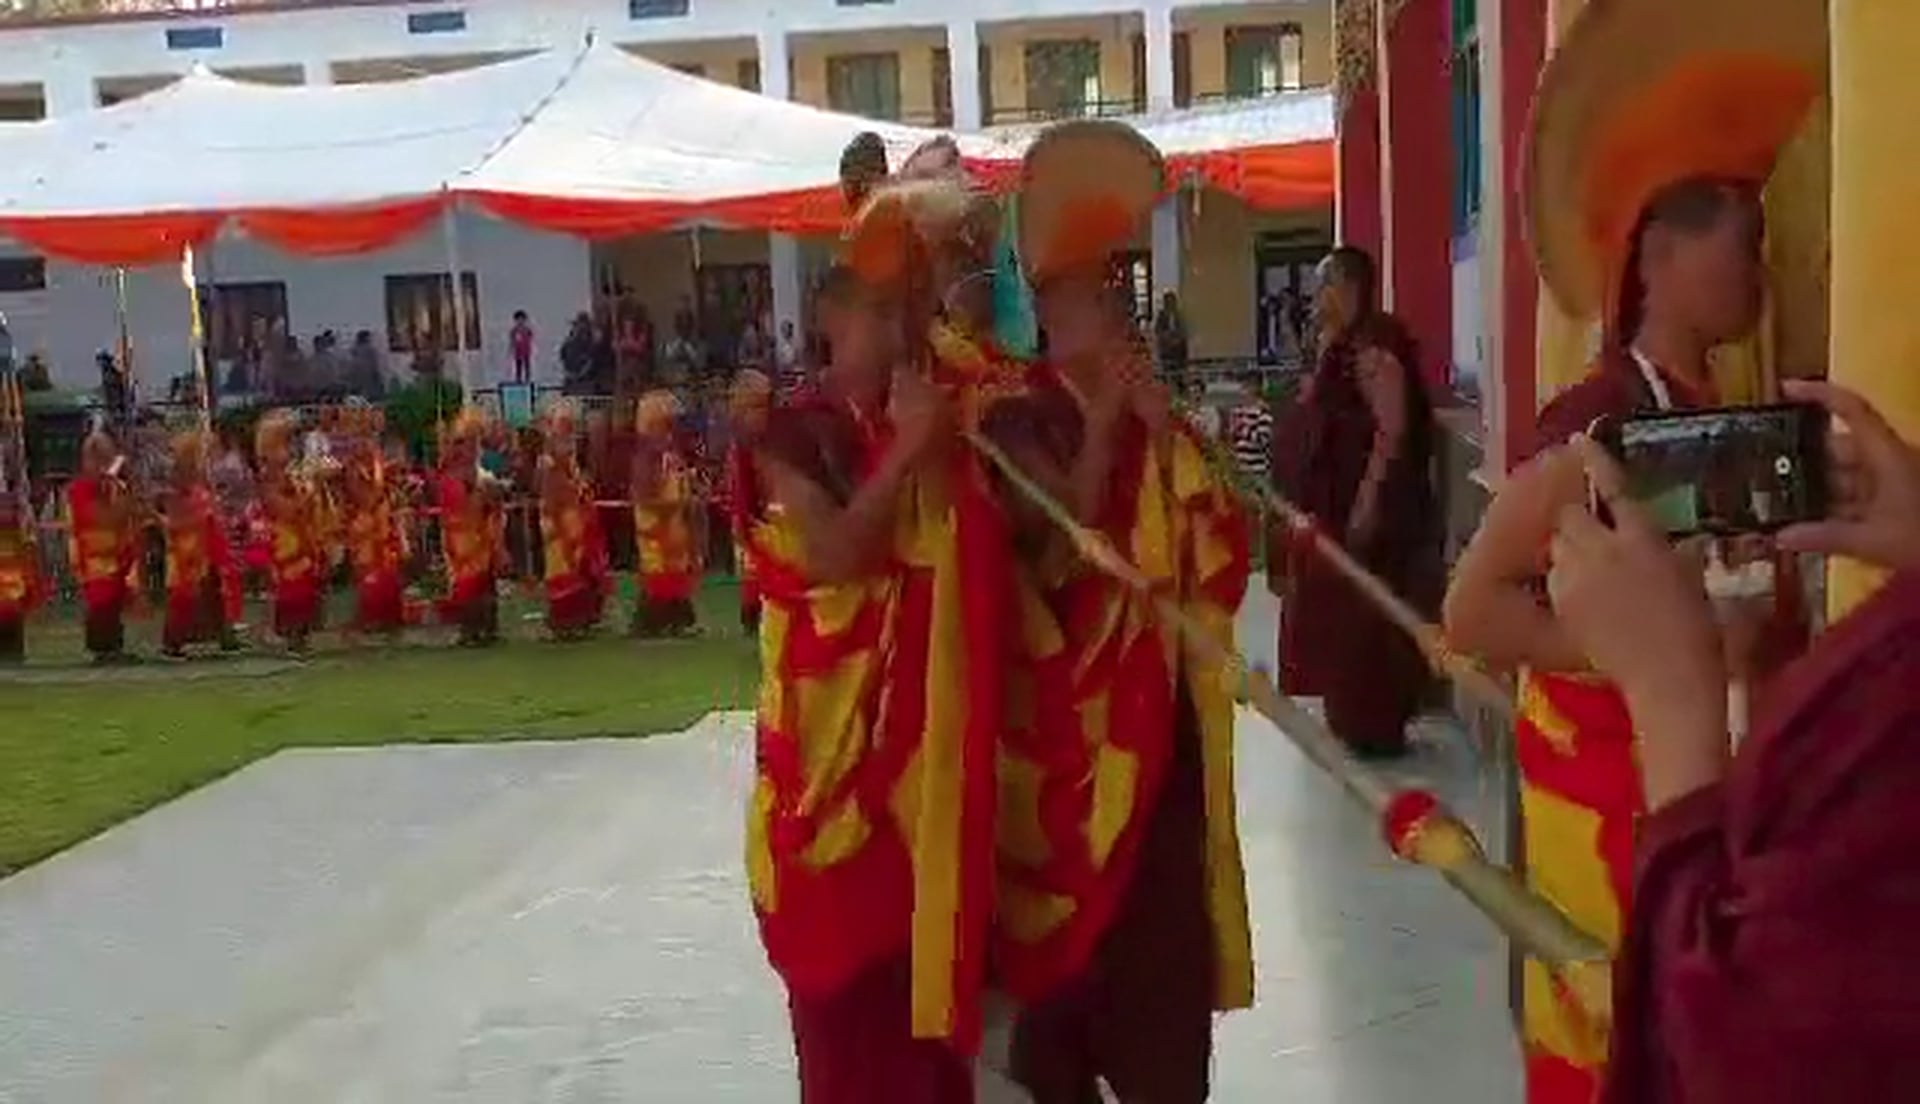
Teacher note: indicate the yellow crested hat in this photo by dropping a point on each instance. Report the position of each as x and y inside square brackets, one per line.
[1645, 94]
[656, 412]
[273, 436]
[1086, 188]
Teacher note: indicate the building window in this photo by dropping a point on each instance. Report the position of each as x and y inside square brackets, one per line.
[1466, 118]
[448, 21]
[21, 274]
[196, 38]
[1063, 78]
[986, 83]
[1182, 69]
[691, 68]
[420, 314]
[727, 298]
[942, 87]
[865, 84]
[656, 9]
[1264, 60]
[1139, 46]
[238, 317]
[747, 74]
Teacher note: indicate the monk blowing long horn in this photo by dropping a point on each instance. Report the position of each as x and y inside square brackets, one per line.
[1416, 825]
[1458, 667]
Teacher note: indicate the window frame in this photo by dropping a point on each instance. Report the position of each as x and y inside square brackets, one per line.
[851, 75]
[418, 328]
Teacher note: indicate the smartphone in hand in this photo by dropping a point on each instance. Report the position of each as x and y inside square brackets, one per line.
[1725, 471]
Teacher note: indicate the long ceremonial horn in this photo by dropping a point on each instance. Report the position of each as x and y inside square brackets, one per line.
[1462, 669]
[1417, 826]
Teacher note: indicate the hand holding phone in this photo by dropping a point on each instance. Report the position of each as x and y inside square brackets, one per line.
[1725, 471]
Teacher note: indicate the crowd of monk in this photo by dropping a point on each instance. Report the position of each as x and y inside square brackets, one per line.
[348, 513]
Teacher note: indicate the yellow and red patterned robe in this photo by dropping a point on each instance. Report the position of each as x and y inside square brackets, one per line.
[1094, 718]
[576, 556]
[663, 531]
[297, 556]
[20, 584]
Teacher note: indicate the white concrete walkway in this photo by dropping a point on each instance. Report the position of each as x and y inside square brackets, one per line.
[566, 922]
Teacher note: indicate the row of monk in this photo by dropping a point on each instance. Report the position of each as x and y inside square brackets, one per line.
[985, 758]
[347, 510]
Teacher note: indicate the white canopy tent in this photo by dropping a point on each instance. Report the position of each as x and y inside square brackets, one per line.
[591, 141]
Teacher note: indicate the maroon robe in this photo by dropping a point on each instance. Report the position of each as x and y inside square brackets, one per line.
[1769, 954]
[1333, 643]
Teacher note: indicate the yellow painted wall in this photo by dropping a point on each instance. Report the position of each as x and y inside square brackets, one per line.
[1216, 288]
[914, 47]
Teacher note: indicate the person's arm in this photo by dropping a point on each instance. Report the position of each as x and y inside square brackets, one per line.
[840, 543]
[1383, 384]
[1493, 607]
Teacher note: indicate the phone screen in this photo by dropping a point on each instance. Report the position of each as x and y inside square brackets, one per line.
[1728, 471]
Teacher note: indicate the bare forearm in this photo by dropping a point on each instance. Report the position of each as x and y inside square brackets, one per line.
[1088, 479]
[1505, 625]
[851, 541]
[1683, 742]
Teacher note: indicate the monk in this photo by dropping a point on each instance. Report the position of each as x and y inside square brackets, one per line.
[1766, 958]
[470, 533]
[375, 547]
[1677, 230]
[297, 556]
[1356, 452]
[576, 556]
[662, 522]
[750, 405]
[105, 546]
[203, 575]
[849, 721]
[1122, 919]
[20, 582]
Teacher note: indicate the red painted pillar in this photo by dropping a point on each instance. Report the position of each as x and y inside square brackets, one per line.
[1416, 100]
[1360, 220]
[1522, 51]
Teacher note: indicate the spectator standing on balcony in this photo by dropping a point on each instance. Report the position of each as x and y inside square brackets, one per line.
[1170, 337]
[520, 339]
[788, 371]
[1356, 453]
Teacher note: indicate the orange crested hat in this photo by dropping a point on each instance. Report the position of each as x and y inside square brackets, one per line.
[467, 426]
[1645, 94]
[1086, 188]
[902, 222]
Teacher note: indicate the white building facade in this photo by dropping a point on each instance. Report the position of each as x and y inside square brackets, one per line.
[954, 64]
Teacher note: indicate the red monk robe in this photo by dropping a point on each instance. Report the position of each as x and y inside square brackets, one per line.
[374, 547]
[1122, 910]
[576, 554]
[855, 882]
[1334, 644]
[21, 587]
[470, 535]
[296, 549]
[103, 548]
[203, 575]
[1769, 949]
[662, 491]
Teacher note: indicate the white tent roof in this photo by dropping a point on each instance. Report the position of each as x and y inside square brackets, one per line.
[594, 125]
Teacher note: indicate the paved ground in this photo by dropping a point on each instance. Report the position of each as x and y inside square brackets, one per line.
[566, 922]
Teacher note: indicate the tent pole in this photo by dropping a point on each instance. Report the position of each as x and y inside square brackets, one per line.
[123, 334]
[197, 337]
[449, 222]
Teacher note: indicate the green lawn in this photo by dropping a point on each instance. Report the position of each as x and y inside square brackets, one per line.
[79, 756]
